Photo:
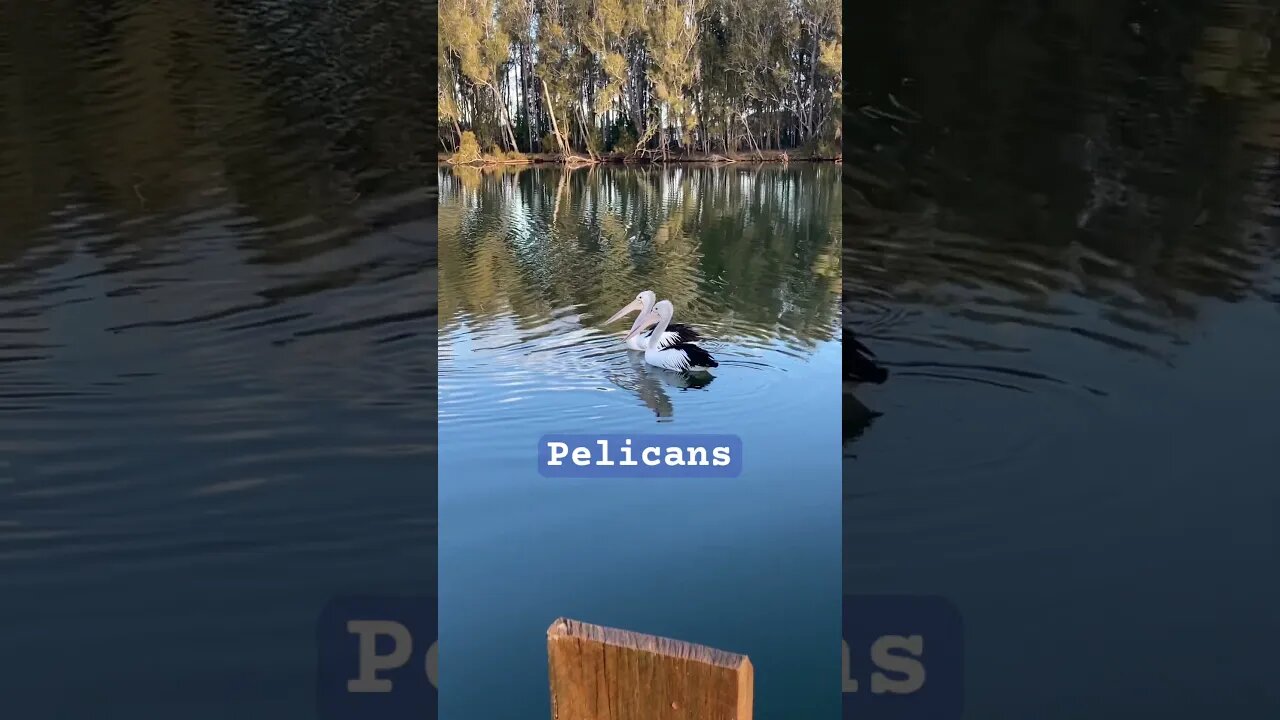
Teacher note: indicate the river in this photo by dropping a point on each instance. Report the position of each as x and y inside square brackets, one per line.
[1061, 238]
[532, 262]
[217, 345]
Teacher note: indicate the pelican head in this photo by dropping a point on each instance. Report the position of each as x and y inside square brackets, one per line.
[644, 303]
[660, 313]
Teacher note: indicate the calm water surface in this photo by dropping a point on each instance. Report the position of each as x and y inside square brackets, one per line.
[1063, 242]
[532, 263]
[216, 345]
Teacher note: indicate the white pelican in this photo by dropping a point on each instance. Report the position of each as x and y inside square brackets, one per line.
[681, 357]
[644, 302]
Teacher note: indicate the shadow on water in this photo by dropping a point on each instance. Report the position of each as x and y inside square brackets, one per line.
[1061, 236]
[217, 319]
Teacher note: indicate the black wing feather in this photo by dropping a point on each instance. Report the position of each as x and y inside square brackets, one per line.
[696, 355]
[684, 333]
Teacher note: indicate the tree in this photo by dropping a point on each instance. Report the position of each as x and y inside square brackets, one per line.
[643, 76]
[673, 37]
[481, 48]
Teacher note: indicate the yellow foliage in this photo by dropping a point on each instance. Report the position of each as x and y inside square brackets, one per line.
[468, 149]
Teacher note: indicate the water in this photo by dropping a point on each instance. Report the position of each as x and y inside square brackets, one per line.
[531, 263]
[1063, 242]
[216, 345]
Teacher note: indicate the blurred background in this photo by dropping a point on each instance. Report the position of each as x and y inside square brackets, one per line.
[1061, 238]
[217, 331]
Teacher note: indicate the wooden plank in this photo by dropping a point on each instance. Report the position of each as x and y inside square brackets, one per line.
[600, 673]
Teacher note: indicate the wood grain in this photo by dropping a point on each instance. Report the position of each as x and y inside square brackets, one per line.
[600, 673]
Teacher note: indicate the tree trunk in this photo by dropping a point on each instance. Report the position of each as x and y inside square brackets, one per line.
[503, 118]
[555, 127]
[532, 125]
[524, 97]
[750, 138]
[586, 134]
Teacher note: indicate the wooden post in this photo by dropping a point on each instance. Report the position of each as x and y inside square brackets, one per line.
[600, 673]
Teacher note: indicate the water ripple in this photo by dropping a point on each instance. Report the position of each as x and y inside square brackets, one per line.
[217, 304]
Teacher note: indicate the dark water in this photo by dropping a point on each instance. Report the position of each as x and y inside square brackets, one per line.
[216, 345]
[531, 264]
[1062, 238]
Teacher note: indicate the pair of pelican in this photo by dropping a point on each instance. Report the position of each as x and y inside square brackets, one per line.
[673, 346]
[670, 346]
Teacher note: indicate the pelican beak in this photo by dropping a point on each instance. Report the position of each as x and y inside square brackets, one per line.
[632, 307]
[641, 323]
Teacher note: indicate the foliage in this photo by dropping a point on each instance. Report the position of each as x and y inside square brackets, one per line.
[623, 136]
[468, 148]
[710, 75]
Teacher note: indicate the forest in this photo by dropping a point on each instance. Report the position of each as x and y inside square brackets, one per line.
[653, 79]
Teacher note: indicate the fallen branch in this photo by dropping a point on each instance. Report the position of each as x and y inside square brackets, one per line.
[490, 161]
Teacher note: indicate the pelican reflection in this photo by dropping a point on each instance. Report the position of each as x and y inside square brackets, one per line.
[856, 417]
[651, 384]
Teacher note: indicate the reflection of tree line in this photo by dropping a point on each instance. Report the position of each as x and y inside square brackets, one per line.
[756, 247]
[1080, 151]
[137, 110]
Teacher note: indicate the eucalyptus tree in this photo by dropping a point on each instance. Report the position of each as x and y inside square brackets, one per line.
[474, 38]
[641, 75]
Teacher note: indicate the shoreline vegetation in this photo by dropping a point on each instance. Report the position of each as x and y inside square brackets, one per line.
[622, 158]
[587, 82]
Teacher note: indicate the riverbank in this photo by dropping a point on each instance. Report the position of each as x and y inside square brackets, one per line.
[764, 156]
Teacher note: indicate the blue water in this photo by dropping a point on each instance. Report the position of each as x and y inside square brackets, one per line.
[747, 564]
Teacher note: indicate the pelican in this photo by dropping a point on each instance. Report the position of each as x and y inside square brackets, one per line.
[674, 335]
[859, 364]
[681, 357]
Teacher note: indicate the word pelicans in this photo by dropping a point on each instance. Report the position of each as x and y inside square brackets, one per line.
[651, 455]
